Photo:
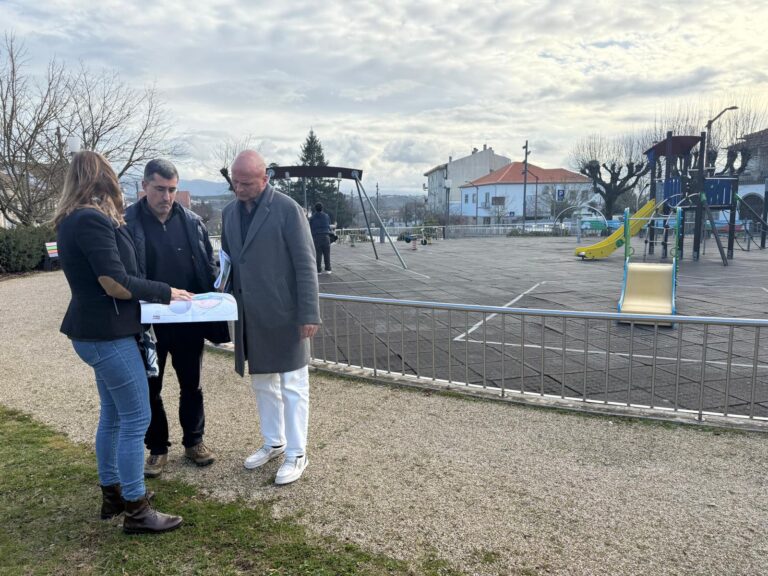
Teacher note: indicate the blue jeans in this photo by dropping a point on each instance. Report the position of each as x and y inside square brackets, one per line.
[122, 383]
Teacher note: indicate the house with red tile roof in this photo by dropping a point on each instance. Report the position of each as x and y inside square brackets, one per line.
[498, 197]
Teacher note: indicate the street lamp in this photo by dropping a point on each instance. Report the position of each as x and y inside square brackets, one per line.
[447, 185]
[709, 129]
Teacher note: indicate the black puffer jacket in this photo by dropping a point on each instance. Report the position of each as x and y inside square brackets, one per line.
[197, 236]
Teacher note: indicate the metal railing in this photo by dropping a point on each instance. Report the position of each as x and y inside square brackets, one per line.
[699, 366]
[355, 235]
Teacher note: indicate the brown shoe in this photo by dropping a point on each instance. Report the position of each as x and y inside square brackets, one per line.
[200, 455]
[112, 503]
[141, 518]
[154, 465]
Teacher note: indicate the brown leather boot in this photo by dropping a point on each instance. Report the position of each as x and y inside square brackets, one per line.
[112, 503]
[141, 518]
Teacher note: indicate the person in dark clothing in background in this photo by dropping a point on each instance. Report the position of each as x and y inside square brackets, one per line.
[172, 246]
[320, 224]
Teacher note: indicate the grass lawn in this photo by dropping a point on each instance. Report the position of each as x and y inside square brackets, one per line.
[49, 524]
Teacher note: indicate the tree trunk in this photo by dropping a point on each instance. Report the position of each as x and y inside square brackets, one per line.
[608, 210]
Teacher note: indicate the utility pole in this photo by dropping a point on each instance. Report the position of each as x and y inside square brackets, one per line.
[525, 180]
[377, 196]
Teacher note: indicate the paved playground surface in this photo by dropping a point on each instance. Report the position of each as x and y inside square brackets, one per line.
[543, 273]
[493, 489]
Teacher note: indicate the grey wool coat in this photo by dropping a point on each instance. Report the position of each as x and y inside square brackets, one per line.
[274, 280]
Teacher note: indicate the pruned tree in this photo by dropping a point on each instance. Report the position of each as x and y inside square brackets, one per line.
[563, 208]
[615, 165]
[727, 152]
[32, 156]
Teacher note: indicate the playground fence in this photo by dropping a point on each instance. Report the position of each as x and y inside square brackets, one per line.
[701, 366]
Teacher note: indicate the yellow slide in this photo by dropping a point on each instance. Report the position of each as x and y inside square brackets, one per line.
[605, 247]
[648, 289]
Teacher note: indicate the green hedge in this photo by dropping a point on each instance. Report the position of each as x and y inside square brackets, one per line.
[23, 248]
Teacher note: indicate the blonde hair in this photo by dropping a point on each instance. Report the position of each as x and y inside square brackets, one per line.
[90, 183]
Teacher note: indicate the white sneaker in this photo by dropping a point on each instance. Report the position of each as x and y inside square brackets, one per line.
[291, 470]
[262, 456]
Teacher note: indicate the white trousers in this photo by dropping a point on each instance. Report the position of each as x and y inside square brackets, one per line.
[283, 403]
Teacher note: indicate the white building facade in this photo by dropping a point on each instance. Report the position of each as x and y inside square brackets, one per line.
[444, 181]
[498, 197]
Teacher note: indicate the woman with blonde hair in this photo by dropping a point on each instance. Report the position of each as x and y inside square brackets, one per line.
[103, 322]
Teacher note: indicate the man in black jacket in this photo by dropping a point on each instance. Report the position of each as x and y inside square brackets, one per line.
[320, 224]
[172, 246]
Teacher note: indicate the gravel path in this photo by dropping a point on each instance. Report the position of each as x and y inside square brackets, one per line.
[489, 487]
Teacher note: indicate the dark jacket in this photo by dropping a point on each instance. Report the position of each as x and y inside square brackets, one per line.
[197, 236]
[320, 223]
[90, 246]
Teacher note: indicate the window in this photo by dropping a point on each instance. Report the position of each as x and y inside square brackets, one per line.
[487, 197]
[466, 198]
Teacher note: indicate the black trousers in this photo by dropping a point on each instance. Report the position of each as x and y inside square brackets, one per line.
[184, 342]
[322, 249]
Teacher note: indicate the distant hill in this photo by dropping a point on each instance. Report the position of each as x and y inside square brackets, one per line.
[199, 188]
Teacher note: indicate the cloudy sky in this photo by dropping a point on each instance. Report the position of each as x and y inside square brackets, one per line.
[396, 87]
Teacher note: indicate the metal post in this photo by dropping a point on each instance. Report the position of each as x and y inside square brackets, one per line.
[667, 176]
[627, 234]
[525, 181]
[338, 196]
[365, 215]
[304, 186]
[477, 205]
[732, 219]
[361, 190]
[447, 210]
[699, 214]
[765, 216]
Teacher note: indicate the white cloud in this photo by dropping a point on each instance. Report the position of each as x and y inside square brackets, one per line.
[395, 88]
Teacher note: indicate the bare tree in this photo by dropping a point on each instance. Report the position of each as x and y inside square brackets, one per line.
[32, 160]
[129, 127]
[204, 210]
[615, 165]
[229, 148]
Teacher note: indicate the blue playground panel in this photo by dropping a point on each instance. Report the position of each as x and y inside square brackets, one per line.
[673, 191]
[719, 191]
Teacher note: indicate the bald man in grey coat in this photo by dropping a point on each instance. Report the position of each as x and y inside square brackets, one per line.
[274, 280]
